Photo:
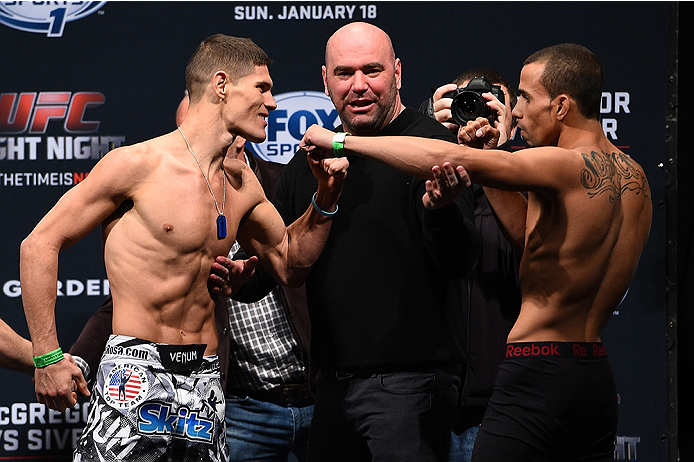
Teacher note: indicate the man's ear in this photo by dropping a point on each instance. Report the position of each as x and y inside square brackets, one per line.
[219, 82]
[324, 72]
[563, 105]
[398, 73]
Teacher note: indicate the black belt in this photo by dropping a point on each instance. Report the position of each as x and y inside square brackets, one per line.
[453, 369]
[283, 395]
[334, 374]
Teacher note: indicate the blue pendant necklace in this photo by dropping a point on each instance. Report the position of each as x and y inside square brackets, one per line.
[221, 219]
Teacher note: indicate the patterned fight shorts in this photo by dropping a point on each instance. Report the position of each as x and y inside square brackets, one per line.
[155, 402]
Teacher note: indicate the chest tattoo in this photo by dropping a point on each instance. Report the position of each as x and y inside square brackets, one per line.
[613, 174]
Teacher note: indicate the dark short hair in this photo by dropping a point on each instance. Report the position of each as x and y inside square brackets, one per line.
[495, 77]
[573, 70]
[234, 55]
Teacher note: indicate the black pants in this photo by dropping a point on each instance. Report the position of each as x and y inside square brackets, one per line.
[550, 409]
[389, 417]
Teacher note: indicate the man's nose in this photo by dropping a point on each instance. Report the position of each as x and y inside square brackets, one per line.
[270, 103]
[360, 83]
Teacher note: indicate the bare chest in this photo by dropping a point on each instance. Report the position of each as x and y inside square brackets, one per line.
[184, 215]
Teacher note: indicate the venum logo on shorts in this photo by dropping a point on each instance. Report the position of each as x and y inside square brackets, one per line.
[157, 419]
[45, 17]
[126, 386]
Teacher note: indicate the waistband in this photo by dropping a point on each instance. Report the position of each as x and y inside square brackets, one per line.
[172, 358]
[584, 350]
[343, 374]
[295, 394]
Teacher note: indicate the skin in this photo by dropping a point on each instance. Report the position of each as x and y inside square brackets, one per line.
[537, 126]
[586, 226]
[158, 225]
[182, 109]
[15, 350]
[362, 77]
[16, 353]
[226, 275]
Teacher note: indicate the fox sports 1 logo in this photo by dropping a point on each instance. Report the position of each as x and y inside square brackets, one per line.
[44, 17]
[286, 125]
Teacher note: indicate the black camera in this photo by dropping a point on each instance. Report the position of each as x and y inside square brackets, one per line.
[468, 103]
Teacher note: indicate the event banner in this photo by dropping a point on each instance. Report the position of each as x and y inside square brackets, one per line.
[78, 79]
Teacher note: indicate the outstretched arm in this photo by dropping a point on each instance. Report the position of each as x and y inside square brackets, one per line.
[413, 155]
[534, 169]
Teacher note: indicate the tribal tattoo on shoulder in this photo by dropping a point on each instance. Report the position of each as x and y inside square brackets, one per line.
[614, 174]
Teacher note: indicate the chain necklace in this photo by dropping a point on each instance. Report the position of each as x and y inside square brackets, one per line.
[221, 219]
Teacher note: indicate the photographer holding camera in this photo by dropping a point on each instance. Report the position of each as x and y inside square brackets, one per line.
[494, 297]
[467, 103]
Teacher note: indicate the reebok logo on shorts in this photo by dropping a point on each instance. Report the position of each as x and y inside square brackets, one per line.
[556, 350]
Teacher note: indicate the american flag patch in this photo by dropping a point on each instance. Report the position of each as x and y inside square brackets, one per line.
[126, 384]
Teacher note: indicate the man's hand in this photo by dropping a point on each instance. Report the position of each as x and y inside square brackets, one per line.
[318, 141]
[446, 185]
[480, 133]
[227, 275]
[329, 171]
[442, 107]
[57, 384]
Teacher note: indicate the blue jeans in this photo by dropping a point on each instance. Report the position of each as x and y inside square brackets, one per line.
[261, 431]
[461, 445]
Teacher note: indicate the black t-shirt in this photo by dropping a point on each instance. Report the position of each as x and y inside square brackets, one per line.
[386, 292]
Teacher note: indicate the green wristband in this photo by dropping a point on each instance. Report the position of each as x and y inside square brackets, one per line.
[339, 143]
[49, 358]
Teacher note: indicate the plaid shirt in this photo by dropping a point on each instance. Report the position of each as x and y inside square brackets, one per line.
[263, 350]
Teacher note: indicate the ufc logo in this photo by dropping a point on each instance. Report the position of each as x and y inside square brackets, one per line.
[31, 112]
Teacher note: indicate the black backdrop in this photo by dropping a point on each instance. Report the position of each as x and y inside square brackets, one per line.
[129, 58]
[681, 238]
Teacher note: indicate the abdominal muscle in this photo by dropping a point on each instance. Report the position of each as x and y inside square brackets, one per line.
[159, 289]
[176, 322]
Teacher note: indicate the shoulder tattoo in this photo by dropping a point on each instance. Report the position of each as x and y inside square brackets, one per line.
[614, 174]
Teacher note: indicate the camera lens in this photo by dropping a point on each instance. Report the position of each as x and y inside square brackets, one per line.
[467, 106]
